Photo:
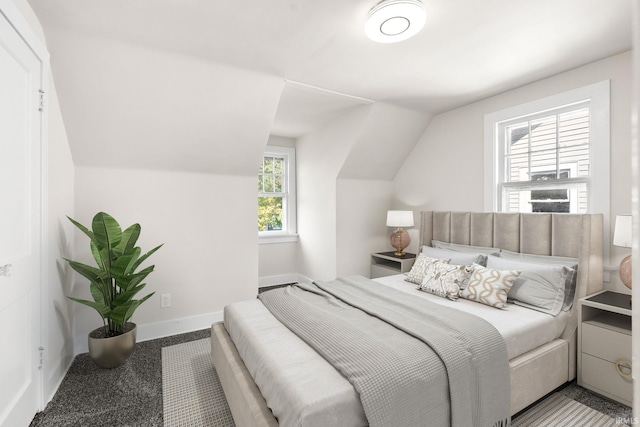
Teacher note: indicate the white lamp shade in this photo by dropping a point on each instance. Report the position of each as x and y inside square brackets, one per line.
[400, 219]
[623, 232]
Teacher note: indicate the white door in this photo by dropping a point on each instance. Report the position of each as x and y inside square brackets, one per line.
[20, 229]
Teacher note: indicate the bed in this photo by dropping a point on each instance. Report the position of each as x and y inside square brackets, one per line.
[541, 358]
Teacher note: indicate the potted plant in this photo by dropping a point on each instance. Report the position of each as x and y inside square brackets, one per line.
[113, 283]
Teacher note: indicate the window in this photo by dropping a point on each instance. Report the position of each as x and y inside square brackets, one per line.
[550, 155]
[276, 195]
[545, 161]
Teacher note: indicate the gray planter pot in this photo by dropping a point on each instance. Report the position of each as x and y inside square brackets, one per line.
[113, 351]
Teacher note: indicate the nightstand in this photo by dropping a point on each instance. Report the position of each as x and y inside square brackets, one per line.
[604, 345]
[387, 264]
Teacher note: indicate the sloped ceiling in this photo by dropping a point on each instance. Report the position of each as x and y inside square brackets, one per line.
[304, 109]
[198, 85]
[387, 138]
[138, 107]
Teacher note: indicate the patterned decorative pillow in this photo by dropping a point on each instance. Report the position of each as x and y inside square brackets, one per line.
[419, 269]
[444, 279]
[489, 286]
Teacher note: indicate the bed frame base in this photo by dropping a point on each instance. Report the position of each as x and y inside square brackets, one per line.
[533, 375]
[247, 405]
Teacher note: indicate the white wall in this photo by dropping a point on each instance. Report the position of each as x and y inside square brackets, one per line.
[320, 157]
[445, 170]
[208, 226]
[278, 262]
[361, 223]
[57, 309]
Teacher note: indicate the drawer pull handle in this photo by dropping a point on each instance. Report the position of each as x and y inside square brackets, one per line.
[623, 364]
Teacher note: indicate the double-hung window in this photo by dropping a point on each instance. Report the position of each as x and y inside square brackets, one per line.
[276, 195]
[545, 160]
[550, 155]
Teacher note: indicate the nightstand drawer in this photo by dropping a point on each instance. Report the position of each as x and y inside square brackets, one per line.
[602, 376]
[605, 343]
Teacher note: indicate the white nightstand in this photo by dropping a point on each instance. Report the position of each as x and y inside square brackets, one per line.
[604, 345]
[386, 264]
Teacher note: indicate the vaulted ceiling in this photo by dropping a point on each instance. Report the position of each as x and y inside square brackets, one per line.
[195, 85]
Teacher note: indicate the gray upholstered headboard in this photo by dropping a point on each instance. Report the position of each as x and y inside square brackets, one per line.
[568, 235]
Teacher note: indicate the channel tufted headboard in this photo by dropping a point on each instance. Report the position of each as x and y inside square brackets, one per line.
[567, 235]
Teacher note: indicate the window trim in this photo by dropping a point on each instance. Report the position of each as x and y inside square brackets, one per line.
[290, 233]
[598, 93]
[599, 157]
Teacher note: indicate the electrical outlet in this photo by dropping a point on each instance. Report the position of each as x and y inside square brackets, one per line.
[165, 300]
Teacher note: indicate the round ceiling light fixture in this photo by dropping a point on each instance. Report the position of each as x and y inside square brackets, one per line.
[392, 21]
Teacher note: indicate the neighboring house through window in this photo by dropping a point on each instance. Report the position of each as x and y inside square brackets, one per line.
[550, 155]
[277, 195]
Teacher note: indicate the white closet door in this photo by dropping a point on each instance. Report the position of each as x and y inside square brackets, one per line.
[20, 229]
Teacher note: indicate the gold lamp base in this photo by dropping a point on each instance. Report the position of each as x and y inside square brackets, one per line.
[399, 239]
[625, 273]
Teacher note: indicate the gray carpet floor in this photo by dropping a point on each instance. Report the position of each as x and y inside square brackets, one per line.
[131, 395]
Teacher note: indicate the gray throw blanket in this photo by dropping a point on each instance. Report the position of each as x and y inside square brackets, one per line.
[375, 336]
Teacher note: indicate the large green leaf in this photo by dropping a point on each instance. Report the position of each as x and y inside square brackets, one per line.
[129, 294]
[102, 309]
[129, 239]
[134, 279]
[123, 312]
[100, 294]
[123, 265]
[94, 275]
[145, 256]
[97, 255]
[106, 230]
[84, 229]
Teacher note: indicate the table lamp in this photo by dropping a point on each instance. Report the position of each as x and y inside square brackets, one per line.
[399, 238]
[622, 236]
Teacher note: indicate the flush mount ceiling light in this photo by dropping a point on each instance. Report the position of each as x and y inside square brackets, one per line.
[392, 21]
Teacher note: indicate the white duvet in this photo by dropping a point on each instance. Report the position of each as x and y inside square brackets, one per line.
[302, 389]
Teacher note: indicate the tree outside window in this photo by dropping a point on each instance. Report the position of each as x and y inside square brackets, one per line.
[276, 193]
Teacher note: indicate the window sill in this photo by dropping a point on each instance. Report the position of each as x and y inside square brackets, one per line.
[282, 238]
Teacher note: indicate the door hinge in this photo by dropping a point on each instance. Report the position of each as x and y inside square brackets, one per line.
[40, 366]
[43, 101]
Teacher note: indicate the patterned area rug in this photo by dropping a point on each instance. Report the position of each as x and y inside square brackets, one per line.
[192, 396]
[558, 410]
[191, 391]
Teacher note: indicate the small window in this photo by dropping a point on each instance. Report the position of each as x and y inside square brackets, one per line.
[276, 195]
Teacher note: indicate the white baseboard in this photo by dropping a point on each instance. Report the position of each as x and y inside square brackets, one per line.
[281, 279]
[151, 331]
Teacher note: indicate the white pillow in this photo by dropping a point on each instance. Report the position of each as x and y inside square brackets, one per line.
[539, 286]
[455, 257]
[489, 286]
[444, 280]
[419, 268]
[464, 248]
[572, 263]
